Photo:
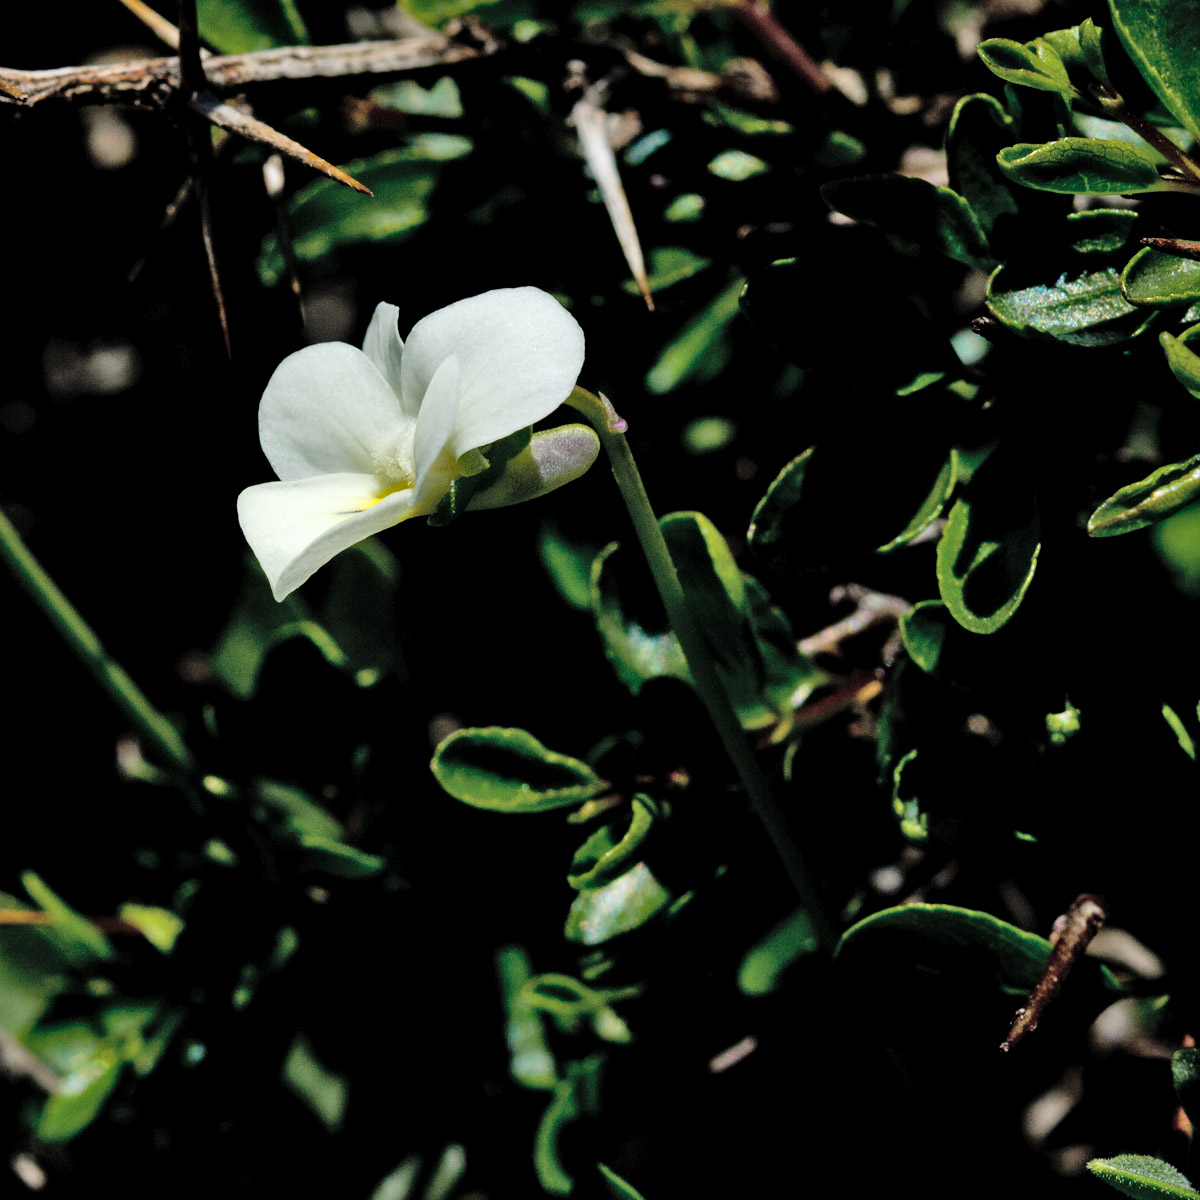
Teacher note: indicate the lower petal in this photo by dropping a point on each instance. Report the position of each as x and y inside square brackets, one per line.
[297, 525]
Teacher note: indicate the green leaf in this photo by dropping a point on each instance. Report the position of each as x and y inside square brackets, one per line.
[324, 1092]
[988, 551]
[242, 26]
[572, 1003]
[979, 129]
[69, 1112]
[823, 508]
[324, 216]
[914, 822]
[1185, 1074]
[1081, 308]
[158, 926]
[1152, 277]
[1179, 729]
[1182, 359]
[1137, 505]
[1079, 166]
[913, 209]
[617, 1187]
[941, 937]
[1160, 37]
[600, 914]
[569, 565]
[78, 939]
[701, 348]
[494, 13]
[1092, 40]
[1036, 65]
[336, 858]
[750, 641]
[1100, 230]
[669, 264]
[509, 770]
[1143, 1177]
[609, 851]
[765, 963]
[530, 1062]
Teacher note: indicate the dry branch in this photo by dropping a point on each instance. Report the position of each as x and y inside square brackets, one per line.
[154, 82]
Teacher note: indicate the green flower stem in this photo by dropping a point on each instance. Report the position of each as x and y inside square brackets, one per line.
[611, 431]
[150, 723]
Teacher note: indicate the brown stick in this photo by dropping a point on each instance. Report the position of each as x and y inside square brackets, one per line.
[780, 44]
[1075, 928]
[153, 82]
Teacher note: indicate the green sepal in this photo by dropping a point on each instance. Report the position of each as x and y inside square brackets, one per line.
[1080, 166]
[988, 551]
[915, 209]
[609, 851]
[1182, 359]
[509, 770]
[458, 496]
[1137, 505]
[1163, 280]
[1036, 64]
[1160, 37]
[1143, 1177]
[620, 906]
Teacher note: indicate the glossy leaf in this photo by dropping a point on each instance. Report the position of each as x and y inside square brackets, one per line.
[924, 631]
[1183, 360]
[1092, 43]
[613, 848]
[1143, 1177]
[1160, 37]
[764, 965]
[1137, 505]
[988, 552]
[979, 129]
[241, 26]
[1036, 64]
[1084, 307]
[823, 507]
[1152, 277]
[913, 209]
[600, 914]
[1079, 166]
[938, 934]
[1100, 230]
[324, 216]
[509, 770]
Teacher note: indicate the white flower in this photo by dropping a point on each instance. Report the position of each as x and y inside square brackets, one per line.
[364, 439]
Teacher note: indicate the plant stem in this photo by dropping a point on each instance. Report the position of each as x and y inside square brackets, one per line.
[712, 693]
[1114, 105]
[150, 723]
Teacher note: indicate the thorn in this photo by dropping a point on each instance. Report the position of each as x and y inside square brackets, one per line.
[168, 219]
[11, 89]
[200, 144]
[1180, 249]
[590, 121]
[191, 68]
[225, 116]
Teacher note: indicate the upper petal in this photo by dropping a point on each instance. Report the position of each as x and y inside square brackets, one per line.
[326, 409]
[382, 345]
[298, 525]
[519, 352]
[435, 422]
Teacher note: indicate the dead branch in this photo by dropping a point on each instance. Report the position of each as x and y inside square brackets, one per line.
[154, 83]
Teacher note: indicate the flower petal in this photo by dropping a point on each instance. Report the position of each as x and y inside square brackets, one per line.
[435, 423]
[552, 458]
[382, 345]
[520, 353]
[326, 409]
[298, 525]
